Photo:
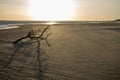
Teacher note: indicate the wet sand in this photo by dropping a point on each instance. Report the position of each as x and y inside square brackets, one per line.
[77, 52]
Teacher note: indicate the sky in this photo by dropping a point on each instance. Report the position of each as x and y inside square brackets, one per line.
[83, 10]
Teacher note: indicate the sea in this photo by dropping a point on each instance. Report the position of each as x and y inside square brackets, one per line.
[16, 24]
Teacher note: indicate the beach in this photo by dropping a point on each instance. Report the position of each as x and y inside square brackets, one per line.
[76, 52]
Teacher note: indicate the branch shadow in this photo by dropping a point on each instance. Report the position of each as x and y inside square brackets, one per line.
[26, 60]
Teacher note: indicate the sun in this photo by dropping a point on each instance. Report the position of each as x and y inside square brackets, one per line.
[51, 9]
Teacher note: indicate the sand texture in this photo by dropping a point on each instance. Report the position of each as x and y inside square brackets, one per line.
[76, 52]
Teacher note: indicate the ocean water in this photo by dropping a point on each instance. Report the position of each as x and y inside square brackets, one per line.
[16, 24]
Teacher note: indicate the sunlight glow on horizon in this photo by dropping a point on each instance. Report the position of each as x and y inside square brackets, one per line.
[51, 9]
[60, 10]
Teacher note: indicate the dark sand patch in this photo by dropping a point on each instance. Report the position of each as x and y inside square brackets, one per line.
[114, 29]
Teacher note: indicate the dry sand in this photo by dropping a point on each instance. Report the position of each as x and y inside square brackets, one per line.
[77, 52]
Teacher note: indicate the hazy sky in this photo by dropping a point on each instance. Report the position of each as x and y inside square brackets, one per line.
[83, 9]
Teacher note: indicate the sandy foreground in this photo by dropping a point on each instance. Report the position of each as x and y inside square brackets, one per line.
[77, 52]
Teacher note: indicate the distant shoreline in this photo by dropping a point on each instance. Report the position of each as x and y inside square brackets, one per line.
[117, 20]
[17, 24]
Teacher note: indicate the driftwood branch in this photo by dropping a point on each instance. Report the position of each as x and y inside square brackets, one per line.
[38, 34]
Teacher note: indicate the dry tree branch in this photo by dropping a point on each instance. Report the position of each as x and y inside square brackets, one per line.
[33, 35]
[37, 35]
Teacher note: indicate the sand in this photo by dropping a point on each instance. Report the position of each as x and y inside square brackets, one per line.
[77, 52]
